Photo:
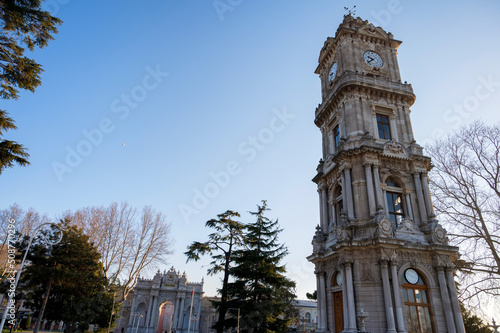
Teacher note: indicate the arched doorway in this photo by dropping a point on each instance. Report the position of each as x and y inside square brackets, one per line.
[165, 317]
[338, 303]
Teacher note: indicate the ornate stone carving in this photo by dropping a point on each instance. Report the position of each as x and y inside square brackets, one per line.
[435, 233]
[318, 241]
[385, 227]
[394, 148]
[407, 230]
[366, 271]
[328, 164]
[343, 231]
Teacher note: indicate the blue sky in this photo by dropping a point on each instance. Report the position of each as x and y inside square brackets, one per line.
[190, 89]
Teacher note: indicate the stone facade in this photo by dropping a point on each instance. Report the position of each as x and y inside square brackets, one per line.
[163, 304]
[378, 246]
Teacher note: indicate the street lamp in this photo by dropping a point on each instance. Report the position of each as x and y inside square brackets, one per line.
[46, 239]
[238, 327]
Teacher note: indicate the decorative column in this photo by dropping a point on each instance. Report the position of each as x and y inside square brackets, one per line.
[420, 197]
[132, 310]
[321, 288]
[155, 313]
[394, 127]
[324, 198]
[445, 298]
[180, 324]
[148, 316]
[350, 297]
[350, 203]
[397, 298]
[408, 205]
[344, 298]
[389, 312]
[457, 314]
[378, 190]
[427, 194]
[334, 215]
[321, 217]
[386, 207]
[344, 191]
[175, 319]
[197, 325]
[369, 189]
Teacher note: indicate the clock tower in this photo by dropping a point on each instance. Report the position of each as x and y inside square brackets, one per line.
[382, 260]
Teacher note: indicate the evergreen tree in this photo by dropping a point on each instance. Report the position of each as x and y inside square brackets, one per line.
[472, 323]
[69, 280]
[23, 25]
[220, 246]
[260, 290]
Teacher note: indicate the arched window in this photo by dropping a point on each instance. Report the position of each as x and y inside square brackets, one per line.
[338, 204]
[394, 198]
[308, 317]
[417, 302]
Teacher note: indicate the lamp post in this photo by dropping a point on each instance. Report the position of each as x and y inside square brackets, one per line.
[238, 327]
[14, 285]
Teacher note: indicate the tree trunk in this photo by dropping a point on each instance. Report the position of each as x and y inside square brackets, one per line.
[42, 309]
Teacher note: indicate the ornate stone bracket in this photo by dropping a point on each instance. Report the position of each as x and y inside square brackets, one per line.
[385, 228]
[395, 149]
[407, 230]
[434, 232]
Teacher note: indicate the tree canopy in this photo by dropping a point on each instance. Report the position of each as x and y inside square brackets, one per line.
[221, 244]
[23, 26]
[70, 276]
[260, 289]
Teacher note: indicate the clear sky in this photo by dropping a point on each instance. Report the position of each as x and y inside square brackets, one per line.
[188, 88]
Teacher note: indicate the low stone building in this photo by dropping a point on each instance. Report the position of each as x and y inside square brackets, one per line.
[307, 320]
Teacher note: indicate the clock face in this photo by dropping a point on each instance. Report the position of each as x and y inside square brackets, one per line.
[373, 59]
[333, 72]
[338, 279]
[411, 276]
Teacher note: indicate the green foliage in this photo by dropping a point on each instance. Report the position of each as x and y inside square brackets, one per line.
[79, 291]
[228, 236]
[23, 25]
[10, 151]
[472, 323]
[313, 296]
[260, 290]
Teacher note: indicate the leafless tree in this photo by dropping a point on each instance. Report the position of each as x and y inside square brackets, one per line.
[24, 221]
[465, 182]
[129, 243]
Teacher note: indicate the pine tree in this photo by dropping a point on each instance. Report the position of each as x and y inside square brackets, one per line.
[260, 290]
[220, 246]
[23, 24]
